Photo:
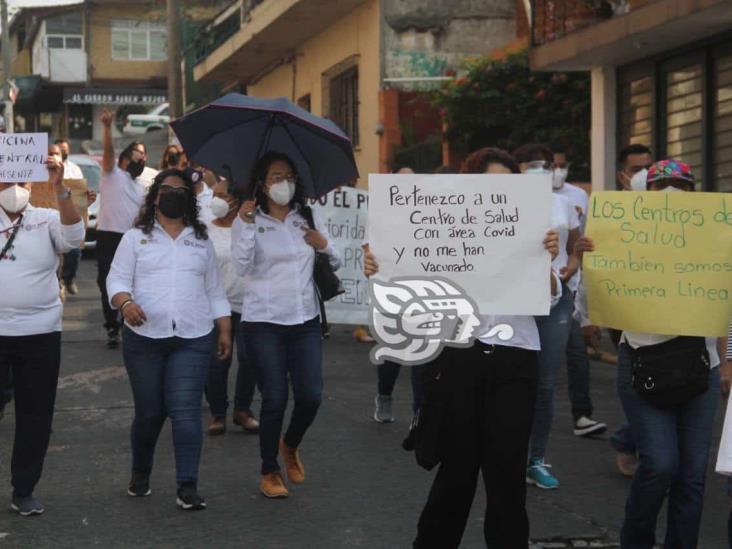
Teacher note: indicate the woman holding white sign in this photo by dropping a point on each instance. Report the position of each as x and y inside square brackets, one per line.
[669, 387]
[486, 393]
[30, 320]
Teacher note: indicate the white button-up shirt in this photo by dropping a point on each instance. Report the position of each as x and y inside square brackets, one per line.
[175, 282]
[120, 200]
[277, 266]
[29, 300]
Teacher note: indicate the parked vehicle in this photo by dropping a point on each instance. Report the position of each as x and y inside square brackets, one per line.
[139, 124]
[92, 171]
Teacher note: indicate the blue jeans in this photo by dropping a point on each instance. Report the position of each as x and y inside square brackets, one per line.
[167, 378]
[387, 374]
[277, 351]
[673, 451]
[554, 333]
[218, 376]
[622, 440]
[70, 265]
[578, 372]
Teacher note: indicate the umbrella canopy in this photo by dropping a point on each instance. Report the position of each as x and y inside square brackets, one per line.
[230, 134]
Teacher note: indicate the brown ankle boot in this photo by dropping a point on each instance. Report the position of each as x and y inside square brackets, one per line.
[295, 469]
[273, 486]
[216, 426]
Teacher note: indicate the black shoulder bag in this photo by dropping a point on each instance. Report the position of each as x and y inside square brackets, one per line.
[10, 241]
[671, 373]
[327, 283]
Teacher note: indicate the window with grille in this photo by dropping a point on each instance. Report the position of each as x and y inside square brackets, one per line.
[723, 125]
[343, 98]
[636, 111]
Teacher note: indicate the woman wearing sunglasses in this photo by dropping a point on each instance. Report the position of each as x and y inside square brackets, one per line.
[166, 283]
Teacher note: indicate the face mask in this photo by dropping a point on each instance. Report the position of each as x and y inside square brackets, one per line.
[559, 178]
[14, 199]
[219, 207]
[282, 193]
[671, 189]
[173, 204]
[638, 181]
[135, 168]
[58, 157]
[64, 156]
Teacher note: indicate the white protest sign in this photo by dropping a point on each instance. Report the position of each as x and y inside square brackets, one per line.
[344, 214]
[483, 233]
[23, 157]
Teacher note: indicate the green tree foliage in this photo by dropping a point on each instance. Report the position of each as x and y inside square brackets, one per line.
[504, 104]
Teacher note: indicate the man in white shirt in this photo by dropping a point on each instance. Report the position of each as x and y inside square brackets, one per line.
[122, 192]
[72, 258]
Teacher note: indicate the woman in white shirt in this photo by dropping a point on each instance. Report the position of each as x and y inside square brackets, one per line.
[274, 250]
[224, 208]
[672, 442]
[488, 393]
[30, 320]
[165, 282]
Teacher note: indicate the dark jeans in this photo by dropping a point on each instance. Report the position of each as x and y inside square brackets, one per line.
[622, 440]
[673, 452]
[554, 333]
[388, 372]
[578, 372]
[34, 361]
[70, 265]
[491, 397]
[218, 376]
[277, 351]
[107, 243]
[6, 390]
[167, 378]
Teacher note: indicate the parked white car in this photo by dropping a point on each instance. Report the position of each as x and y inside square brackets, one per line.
[139, 124]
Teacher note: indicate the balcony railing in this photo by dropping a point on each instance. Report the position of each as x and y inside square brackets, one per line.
[554, 19]
[223, 27]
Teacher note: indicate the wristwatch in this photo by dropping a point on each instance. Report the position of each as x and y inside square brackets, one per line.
[66, 193]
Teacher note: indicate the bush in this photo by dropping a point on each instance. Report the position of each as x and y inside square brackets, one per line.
[502, 103]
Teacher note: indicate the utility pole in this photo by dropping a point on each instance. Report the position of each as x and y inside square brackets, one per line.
[6, 66]
[174, 59]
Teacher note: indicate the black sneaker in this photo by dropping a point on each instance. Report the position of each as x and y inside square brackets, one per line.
[112, 338]
[27, 506]
[139, 485]
[188, 498]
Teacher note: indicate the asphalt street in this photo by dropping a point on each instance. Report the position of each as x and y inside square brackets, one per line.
[362, 489]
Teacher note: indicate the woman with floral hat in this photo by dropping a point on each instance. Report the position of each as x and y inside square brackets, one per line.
[673, 429]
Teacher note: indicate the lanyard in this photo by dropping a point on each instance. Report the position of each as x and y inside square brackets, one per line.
[15, 228]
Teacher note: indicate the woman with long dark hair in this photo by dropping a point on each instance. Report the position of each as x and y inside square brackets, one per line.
[273, 248]
[488, 393]
[166, 284]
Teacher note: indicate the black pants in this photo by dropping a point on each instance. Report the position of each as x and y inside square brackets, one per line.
[490, 401]
[34, 361]
[107, 243]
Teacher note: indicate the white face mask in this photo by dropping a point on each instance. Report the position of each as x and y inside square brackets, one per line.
[14, 199]
[671, 189]
[559, 178]
[539, 171]
[219, 207]
[281, 193]
[638, 181]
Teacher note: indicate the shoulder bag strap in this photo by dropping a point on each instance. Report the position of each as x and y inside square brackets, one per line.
[10, 241]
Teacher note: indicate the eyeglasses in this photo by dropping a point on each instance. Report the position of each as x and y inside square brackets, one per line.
[280, 177]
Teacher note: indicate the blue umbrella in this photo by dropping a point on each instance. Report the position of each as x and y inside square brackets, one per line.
[230, 134]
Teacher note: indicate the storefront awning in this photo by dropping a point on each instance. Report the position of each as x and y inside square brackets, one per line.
[103, 96]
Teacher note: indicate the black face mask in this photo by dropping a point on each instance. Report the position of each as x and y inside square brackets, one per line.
[173, 204]
[135, 168]
[173, 160]
[64, 156]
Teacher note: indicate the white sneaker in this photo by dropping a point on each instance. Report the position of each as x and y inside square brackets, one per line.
[586, 426]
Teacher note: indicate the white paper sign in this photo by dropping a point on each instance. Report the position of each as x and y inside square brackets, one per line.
[344, 214]
[482, 232]
[23, 157]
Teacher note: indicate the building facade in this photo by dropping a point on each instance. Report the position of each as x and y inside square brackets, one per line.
[661, 76]
[361, 63]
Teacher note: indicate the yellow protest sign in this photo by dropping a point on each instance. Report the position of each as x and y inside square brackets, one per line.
[662, 262]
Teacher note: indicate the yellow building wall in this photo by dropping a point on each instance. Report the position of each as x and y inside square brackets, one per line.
[100, 47]
[355, 34]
